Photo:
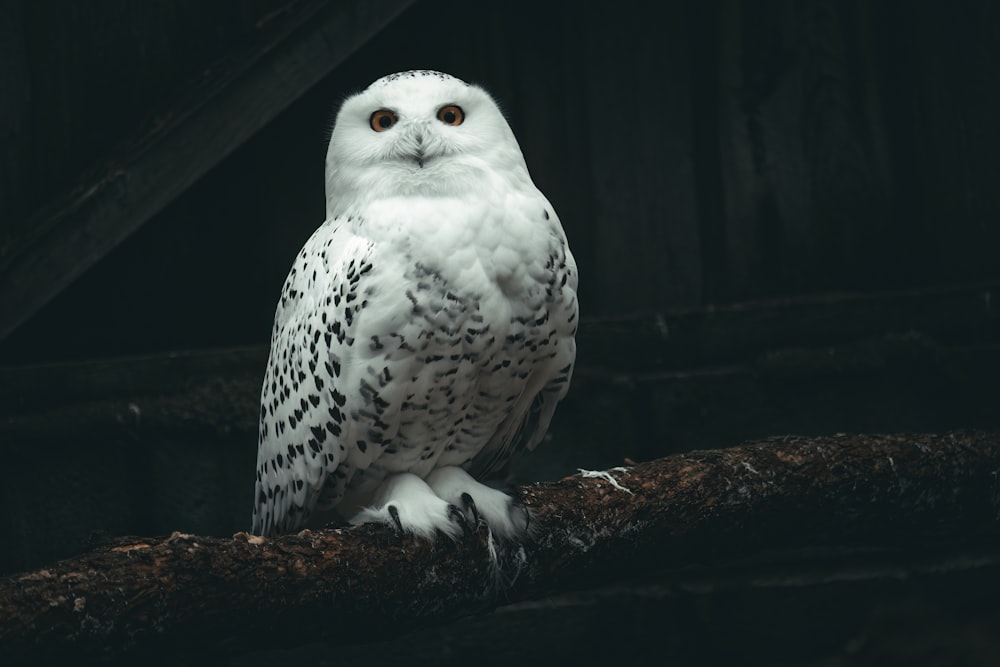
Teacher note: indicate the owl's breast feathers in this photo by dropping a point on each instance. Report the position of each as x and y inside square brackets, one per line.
[413, 334]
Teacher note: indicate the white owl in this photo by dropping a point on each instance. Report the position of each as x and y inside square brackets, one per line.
[426, 330]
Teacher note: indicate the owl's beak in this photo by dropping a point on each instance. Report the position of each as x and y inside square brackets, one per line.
[416, 145]
[419, 155]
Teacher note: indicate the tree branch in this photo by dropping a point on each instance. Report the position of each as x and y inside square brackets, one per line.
[345, 585]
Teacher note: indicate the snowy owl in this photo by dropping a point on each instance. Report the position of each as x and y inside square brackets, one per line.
[425, 331]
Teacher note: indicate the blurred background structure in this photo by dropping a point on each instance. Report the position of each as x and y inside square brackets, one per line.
[786, 217]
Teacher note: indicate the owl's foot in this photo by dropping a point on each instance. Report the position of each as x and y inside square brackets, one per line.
[407, 504]
[506, 517]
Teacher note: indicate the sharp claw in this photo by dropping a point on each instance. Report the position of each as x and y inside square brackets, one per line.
[394, 513]
[470, 505]
[457, 515]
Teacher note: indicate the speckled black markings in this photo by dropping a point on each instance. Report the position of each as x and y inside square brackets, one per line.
[414, 74]
[457, 340]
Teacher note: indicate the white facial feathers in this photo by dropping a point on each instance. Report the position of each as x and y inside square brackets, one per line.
[419, 153]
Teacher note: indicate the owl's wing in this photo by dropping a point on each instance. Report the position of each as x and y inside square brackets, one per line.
[530, 424]
[301, 451]
[532, 412]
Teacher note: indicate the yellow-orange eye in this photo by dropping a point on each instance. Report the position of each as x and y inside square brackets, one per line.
[382, 120]
[451, 115]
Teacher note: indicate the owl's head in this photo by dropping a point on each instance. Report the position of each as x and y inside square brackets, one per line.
[419, 133]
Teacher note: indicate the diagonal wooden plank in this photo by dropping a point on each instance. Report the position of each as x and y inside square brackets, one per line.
[236, 97]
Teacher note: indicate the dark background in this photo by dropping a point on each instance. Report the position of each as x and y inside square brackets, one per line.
[785, 214]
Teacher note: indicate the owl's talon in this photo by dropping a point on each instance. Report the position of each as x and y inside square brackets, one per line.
[470, 506]
[394, 513]
[489, 507]
[459, 518]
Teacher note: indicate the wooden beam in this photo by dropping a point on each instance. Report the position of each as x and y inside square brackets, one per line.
[235, 98]
[959, 326]
[736, 332]
[356, 584]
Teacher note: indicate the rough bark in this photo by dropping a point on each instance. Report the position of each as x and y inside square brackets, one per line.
[348, 585]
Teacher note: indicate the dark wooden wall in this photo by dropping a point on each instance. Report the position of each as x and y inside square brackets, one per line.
[697, 152]
[80, 77]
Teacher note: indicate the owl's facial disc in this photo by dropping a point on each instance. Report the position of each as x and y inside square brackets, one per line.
[419, 135]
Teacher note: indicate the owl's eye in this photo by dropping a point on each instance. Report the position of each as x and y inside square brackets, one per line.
[451, 114]
[382, 120]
